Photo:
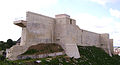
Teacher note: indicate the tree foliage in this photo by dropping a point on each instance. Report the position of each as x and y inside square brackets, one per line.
[6, 45]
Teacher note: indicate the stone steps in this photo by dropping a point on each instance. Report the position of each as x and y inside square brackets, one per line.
[14, 51]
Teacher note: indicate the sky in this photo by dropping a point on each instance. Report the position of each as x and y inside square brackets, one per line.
[100, 16]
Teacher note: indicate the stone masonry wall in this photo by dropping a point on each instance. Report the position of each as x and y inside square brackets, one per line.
[40, 29]
[40, 56]
[111, 45]
[89, 38]
[105, 43]
[23, 37]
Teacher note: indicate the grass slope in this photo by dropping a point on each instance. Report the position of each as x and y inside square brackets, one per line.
[43, 48]
[89, 56]
[97, 56]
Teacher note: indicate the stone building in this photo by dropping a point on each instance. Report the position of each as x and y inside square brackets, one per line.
[61, 30]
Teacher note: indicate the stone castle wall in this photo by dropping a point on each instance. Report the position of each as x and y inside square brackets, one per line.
[61, 30]
[40, 29]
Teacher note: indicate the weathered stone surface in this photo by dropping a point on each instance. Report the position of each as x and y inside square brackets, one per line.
[111, 45]
[40, 56]
[39, 29]
[14, 51]
[20, 23]
[61, 30]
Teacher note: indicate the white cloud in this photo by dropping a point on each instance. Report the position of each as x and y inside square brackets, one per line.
[99, 25]
[27, 3]
[115, 13]
[101, 2]
[11, 9]
[104, 2]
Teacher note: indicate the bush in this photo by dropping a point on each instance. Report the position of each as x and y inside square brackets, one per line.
[28, 58]
[6, 45]
[2, 58]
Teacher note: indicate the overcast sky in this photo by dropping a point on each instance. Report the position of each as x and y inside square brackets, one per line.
[101, 16]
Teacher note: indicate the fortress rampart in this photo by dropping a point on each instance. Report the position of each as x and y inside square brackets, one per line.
[61, 30]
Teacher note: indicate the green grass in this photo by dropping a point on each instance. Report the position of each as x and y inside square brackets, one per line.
[30, 51]
[97, 56]
[90, 55]
[43, 49]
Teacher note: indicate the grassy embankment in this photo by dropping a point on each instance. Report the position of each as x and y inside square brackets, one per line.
[89, 56]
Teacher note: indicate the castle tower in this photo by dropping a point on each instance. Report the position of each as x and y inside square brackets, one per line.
[63, 22]
[106, 43]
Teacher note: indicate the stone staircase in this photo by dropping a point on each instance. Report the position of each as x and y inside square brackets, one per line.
[14, 51]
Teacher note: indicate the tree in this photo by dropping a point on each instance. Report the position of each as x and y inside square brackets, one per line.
[1, 42]
[10, 42]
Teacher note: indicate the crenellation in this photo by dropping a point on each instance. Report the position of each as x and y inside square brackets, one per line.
[73, 21]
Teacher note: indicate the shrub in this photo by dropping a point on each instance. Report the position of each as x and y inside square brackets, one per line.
[2, 58]
[28, 58]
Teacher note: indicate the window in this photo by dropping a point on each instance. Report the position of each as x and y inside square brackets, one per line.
[57, 39]
[70, 21]
[101, 44]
